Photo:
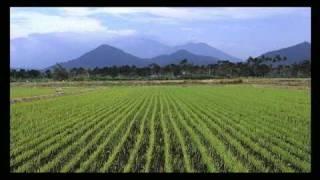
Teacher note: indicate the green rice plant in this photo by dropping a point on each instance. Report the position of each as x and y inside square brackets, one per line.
[160, 128]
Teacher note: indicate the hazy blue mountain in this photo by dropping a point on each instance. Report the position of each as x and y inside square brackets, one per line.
[294, 54]
[106, 55]
[42, 50]
[205, 50]
[140, 47]
[176, 57]
[147, 48]
[103, 56]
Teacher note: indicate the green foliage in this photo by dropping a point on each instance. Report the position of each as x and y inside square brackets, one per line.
[253, 67]
[60, 73]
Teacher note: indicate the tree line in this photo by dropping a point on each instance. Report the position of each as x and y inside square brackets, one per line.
[252, 67]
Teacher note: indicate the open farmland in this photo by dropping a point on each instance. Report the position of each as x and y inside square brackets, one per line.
[21, 92]
[190, 128]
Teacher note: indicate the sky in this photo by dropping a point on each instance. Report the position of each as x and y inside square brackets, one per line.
[241, 32]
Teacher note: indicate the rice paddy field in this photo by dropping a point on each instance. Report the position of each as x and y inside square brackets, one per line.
[173, 128]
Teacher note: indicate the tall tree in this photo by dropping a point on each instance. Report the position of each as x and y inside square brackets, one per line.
[60, 73]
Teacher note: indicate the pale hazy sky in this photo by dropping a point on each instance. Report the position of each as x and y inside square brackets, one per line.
[241, 32]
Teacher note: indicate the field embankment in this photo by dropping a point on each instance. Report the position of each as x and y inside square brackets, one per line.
[266, 81]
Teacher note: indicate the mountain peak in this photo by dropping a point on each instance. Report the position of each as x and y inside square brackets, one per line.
[195, 43]
[182, 51]
[176, 57]
[204, 49]
[104, 47]
[304, 43]
[294, 54]
[141, 47]
[105, 55]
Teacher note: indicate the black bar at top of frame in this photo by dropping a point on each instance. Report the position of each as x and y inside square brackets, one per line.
[172, 3]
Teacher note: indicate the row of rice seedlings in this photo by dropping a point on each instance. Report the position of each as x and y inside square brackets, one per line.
[163, 124]
[76, 146]
[150, 149]
[137, 145]
[128, 137]
[27, 152]
[157, 163]
[95, 160]
[51, 133]
[265, 133]
[229, 162]
[61, 142]
[271, 132]
[276, 161]
[216, 124]
[252, 109]
[92, 144]
[210, 165]
[50, 116]
[180, 158]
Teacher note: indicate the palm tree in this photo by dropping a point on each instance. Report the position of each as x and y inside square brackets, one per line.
[183, 65]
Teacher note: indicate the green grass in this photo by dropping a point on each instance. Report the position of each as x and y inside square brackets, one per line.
[196, 128]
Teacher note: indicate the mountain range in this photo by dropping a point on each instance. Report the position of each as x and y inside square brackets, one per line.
[106, 55]
[39, 49]
[147, 48]
[140, 47]
[205, 50]
[181, 54]
[294, 54]
[42, 50]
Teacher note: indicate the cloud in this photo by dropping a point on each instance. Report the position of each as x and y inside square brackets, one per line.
[165, 14]
[186, 28]
[24, 23]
